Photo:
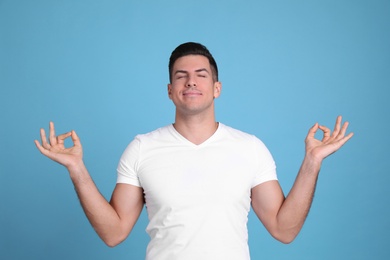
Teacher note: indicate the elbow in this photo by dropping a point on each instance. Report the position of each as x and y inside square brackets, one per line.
[113, 236]
[286, 240]
[286, 237]
[112, 242]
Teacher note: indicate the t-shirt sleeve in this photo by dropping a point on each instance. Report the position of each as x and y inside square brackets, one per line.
[266, 168]
[126, 170]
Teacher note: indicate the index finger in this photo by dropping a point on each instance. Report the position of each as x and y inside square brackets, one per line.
[61, 138]
[326, 132]
[312, 131]
[75, 138]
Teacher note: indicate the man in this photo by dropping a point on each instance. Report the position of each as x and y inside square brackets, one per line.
[197, 177]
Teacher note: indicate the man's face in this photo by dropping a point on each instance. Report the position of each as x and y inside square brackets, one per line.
[193, 89]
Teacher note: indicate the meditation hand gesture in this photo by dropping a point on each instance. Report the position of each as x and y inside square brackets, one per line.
[56, 150]
[330, 143]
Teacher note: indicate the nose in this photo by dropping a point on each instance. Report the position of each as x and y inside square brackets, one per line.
[191, 82]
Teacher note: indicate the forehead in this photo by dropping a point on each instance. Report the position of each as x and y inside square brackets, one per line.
[191, 62]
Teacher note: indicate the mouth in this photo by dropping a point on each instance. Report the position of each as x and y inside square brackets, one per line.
[192, 93]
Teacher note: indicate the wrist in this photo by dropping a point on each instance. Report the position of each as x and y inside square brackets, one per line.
[76, 169]
[312, 161]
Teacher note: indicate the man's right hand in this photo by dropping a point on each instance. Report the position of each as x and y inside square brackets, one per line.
[56, 150]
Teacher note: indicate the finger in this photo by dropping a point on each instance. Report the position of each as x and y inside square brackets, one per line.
[52, 134]
[75, 138]
[42, 149]
[342, 141]
[343, 129]
[312, 131]
[45, 144]
[61, 138]
[336, 130]
[349, 136]
[37, 144]
[326, 132]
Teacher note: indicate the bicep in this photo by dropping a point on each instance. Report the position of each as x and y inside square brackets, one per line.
[267, 199]
[128, 201]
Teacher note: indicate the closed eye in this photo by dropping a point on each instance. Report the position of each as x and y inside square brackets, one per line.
[203, 73]
[180, 74]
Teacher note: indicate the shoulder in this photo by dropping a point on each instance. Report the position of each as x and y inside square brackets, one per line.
[147, 141]
[159, 133]
[235, 133]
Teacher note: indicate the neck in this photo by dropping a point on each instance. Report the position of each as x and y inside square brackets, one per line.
[196, 129]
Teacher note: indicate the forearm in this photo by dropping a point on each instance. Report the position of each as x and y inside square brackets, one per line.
[112, 221]
[296, 206]
[102, 216]
[284, 217]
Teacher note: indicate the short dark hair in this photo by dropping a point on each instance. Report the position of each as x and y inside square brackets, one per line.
[192, 48]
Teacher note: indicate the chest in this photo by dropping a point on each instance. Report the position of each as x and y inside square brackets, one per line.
[195, 177]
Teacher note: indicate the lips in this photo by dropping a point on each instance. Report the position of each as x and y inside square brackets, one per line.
[192, 93]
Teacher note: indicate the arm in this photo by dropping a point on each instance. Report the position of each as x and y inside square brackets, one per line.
[284, 217]
[112, 221]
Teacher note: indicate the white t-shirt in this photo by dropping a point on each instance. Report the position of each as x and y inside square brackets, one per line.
[197, 196]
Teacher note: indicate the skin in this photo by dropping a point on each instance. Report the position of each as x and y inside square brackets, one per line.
[284, 217]
[193, 92]
[112, 220]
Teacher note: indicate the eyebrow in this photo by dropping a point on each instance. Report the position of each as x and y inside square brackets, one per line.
[185, 72]
[203, 69]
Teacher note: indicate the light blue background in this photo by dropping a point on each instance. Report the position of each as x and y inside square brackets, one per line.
[100, 67]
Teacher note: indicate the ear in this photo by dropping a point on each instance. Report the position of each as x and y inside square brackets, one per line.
[217, 89]
[170, 90]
